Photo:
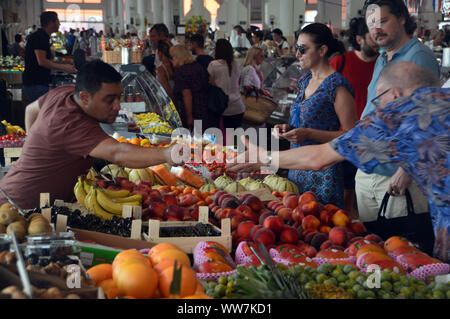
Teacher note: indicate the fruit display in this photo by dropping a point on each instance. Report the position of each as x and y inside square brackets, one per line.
[165, 273]
[75, 219]
[11, 135]
[144, 142]
[10, 219]
[11, 63]
[212, 260]
[199, 230]
[153, 123]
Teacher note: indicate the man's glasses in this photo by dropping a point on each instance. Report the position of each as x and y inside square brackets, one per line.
[301, 48]
[376, 101]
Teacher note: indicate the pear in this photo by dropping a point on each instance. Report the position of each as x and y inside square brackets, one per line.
[19, 230]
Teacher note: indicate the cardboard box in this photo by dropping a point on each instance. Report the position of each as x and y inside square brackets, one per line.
[11, 154]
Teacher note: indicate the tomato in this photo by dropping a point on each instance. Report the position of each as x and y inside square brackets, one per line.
[209, 267]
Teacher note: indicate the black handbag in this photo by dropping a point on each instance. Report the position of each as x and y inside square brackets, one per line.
[417, 228]
[217, 100]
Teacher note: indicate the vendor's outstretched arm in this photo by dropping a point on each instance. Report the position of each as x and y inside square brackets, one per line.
[314, 157]
[131, 156]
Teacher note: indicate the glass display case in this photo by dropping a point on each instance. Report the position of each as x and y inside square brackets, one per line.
[145, 103]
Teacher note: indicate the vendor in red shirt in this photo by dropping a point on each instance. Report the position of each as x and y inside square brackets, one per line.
[358, 65]
[64, 137]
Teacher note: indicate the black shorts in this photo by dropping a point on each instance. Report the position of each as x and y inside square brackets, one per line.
[349, 172]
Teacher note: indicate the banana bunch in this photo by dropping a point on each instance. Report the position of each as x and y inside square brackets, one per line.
[162, 128]
[153, 123]
[144, 120]
[104, 203]
[11, 129]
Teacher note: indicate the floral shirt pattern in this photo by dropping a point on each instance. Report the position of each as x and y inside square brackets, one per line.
[413, 132]
[317, 112]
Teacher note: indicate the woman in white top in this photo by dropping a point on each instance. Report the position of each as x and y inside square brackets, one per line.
[258, 42]
[224, 72]
[165, 72]
[252, 78]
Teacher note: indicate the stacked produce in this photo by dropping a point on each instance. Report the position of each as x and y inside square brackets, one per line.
[153, 123]
[165, 273]
[11, 135]
[10, 63]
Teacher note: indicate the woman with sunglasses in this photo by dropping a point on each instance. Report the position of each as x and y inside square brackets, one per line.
[324, 105]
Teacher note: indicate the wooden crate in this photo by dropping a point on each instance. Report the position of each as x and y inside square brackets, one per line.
[136, 57]
[11, 154]
[187, 244]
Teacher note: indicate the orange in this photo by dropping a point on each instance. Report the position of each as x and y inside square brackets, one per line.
[187, 190]
[100, 273]
[163, 264]
[122, 140]
[161, 247]
[175, 254]
[394, 242]
[199, 296]
[369, 247]
[137, 280]
[126, 254]
[145, 142]
[110, 289]
[129, 261]
[136, 141]
[188, 281]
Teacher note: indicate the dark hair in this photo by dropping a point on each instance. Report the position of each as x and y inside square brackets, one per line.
[161, 28]
[240, 28]
[164, 48]
[198, 38]
[322, 35]
[398, 9]
[47, 17]
[260, 35]
[93, 74]
[358, 26]
[278, 31]
[224, 51]
[18, 38]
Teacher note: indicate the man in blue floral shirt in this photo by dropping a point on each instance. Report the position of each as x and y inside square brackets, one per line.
[413, 131]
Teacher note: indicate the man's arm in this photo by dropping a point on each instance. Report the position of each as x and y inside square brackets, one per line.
[131, 156]
[43, 62]
[31, 114]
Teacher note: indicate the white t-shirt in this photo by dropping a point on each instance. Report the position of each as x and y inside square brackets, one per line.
[218, 70]
[250, 78]
[283, 44]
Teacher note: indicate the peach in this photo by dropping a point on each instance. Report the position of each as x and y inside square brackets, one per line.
[318, 240]
[357, 228]
[311, 208]
[278, 207]
[306, 198]
[252, 216]
[262, 217]
[285, 213]
[325, 229]
[340, 218]
[297, 215]
[244, 229]
[290, 201]
[338, 236]
[265, 236]
[236, 220]
[325, 217]
[272, 203]
[254, 203]
[289, 235]
[274, 223]
[331, 208]
[253, 231]
[244, 208]
[310, 222]
[309, 237]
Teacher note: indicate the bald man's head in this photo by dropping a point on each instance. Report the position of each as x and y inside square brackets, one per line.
[402, 79]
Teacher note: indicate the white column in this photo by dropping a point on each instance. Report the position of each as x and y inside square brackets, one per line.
[121, 14]
[287, 17]
[157, 10]
[141, 11]
[168, 15]
[113, 13]
[129, 14]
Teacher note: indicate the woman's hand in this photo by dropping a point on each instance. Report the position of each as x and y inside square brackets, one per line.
[283, 128]
[296, 136]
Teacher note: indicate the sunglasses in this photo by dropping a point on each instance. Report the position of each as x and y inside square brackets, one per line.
[376, 101]
[301, 48]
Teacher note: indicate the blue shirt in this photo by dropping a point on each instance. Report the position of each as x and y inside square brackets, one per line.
[413, 51]
[413, 132]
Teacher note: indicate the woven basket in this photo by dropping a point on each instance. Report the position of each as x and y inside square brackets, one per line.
[258, 109]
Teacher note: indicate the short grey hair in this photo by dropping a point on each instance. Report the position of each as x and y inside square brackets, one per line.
[408, 76]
